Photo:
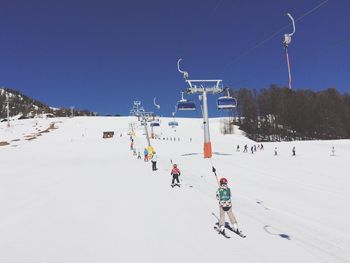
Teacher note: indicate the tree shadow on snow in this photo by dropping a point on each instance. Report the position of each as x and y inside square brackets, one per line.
[271, 232]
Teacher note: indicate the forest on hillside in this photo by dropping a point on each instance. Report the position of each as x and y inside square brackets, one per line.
[281, 114]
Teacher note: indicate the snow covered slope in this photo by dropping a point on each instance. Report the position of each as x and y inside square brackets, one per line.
[71, 196]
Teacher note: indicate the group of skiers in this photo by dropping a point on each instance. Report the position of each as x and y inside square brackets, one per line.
[223, 193]
[253, 148]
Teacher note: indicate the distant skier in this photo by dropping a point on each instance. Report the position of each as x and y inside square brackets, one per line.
[223, 194]
[139, 155]
[333, 151]
[275, 150]
[145, 154]
[154, 161]
[237, 148]
[245, 148]
[252, 149]
[134, 152]
[175, 172]
[293, 150]
[261, 146]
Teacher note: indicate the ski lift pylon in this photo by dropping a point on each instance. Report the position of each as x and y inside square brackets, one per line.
[287, 40]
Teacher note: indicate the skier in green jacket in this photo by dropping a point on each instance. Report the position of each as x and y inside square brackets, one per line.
[223, 194]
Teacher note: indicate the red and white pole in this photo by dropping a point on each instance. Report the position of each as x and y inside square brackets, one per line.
[289, 74]
[207, 143]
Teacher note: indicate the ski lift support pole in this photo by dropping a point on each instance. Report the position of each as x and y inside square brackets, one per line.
[212, 86]
[207, 86]
[8, 111]
[287, 40]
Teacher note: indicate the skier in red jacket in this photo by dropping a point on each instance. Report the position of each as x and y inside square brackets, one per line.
[175, 172]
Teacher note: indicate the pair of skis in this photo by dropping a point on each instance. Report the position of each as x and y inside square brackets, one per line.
[227, 226]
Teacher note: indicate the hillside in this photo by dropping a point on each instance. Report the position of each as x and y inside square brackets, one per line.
[24, 106]
[71, 196]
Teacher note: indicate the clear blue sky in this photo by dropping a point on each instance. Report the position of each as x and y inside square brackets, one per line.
[103, 54]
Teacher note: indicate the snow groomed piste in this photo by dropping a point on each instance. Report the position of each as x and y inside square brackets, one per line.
[72, 196]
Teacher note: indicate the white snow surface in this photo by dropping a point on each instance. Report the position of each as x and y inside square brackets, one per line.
[71, 196]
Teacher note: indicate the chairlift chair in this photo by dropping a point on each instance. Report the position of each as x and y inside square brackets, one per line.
[154, 124]
[184, 104]
[226, 102]
[173, 123]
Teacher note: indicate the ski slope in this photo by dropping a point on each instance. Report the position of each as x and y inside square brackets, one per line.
[70, 196]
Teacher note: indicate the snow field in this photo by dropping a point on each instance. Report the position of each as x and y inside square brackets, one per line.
[71, 196]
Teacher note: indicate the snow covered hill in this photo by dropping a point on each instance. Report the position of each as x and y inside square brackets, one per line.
[70, 196]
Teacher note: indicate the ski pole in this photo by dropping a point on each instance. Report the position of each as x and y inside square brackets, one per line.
[214, 171]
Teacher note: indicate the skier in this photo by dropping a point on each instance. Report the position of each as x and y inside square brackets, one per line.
[252, 149]
[275, 150]
[293, 150]
[223, 194]
[139, 155]
[262, 147]
[245, 148]
[237, 149]
[154, 161]
[175, 172]
[333, 151]
[145, 153]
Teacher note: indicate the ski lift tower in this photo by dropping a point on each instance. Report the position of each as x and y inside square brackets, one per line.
[71, 111]
[138, 111]
[7, 101]
[203, 87]
[145, 117]
[287, 40]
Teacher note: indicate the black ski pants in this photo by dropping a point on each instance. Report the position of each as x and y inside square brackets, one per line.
[154, 166]
[175, 177]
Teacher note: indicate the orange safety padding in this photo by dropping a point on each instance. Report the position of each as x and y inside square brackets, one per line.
[207, 150]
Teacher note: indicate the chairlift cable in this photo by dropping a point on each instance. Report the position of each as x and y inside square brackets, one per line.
[274, 34]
